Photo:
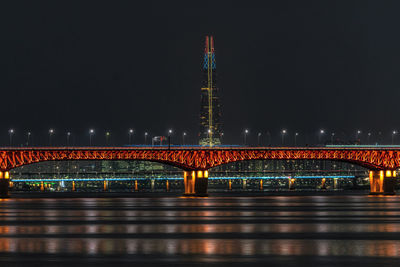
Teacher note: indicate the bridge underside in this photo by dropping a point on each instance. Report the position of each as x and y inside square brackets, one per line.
[197, 161]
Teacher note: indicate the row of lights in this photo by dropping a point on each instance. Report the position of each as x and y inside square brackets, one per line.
[321, 132]
[91, 133]
[131, 132]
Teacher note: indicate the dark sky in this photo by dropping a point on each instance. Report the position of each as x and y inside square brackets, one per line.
[299, 65]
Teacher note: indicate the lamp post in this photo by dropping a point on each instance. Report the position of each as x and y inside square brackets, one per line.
[210, 139]
[51, 132]
[246, 132]
[169, 138]
[283, 136]
[145, 138]
[107, 138]
[91, 133]
[28, 134]
[183, 138]
[357, 134]
[393, 134]
[332, 136]
[368, 138]
[321, 132]
[222, 137]
[11, 133]
[295, 138]
[68, 137]
[258, 139]
[130, 133]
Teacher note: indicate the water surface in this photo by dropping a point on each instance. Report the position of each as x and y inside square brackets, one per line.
[222, 230]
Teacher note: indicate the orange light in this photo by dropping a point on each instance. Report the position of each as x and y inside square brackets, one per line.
[200, 174]
[1, 175]
[205, 174]
[381, 177]
[6, 175]
[388, 173]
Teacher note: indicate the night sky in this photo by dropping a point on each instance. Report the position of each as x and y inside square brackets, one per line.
[298, 65]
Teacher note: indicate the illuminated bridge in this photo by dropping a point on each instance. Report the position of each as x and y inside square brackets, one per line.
[196, 161]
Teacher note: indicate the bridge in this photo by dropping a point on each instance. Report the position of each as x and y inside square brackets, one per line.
[196, 161]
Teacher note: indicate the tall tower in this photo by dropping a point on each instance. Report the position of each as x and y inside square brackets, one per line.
[210, 109]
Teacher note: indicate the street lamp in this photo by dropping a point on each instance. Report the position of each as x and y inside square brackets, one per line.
[295, 138]
[283, 136]
[11, 133]
[107, 138]
[357, 134]
[183, 138]
[130, 133]
[51, 132]
[209, 137]
[28, 138]
[321, 132]
[258, 139]
[332, 136]
[246, 132]
[169, 138]
[145, 137]
[68, 137]
[393, 134]
[368, 137]
[91, 133]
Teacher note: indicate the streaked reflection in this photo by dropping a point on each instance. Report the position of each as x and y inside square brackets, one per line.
[217, 247]
[216, 228]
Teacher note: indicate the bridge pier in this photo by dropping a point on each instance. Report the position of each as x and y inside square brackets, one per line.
[196, 183]
[382, 182]
[323, 183]
[105, 185]
[291, 183]
[4, 184]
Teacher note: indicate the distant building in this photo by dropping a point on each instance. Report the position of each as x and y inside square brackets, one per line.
[210, 109]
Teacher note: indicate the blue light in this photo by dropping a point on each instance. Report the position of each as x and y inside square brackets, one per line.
[205, 64]
[180, 178]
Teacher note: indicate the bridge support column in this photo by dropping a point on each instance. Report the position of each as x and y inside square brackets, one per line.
[196, 183]
[323, 183]
[261, 184]
[382, 182]
[136, 186]
[73, 186]
[105, 185]
[4, 184]
[291, 183]
[167, 186]
[230, 184]
[41, 186]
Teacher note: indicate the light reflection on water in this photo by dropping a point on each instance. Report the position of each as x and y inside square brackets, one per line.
[218, 247]
[219, 227]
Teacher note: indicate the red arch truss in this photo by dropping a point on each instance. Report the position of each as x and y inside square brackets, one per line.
[195, 158]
